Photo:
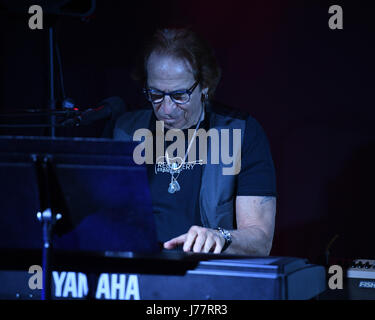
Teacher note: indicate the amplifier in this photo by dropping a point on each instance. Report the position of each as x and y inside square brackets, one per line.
[358, 282]
[361, 280]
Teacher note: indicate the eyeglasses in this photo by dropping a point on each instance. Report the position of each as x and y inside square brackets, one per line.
[178, 96]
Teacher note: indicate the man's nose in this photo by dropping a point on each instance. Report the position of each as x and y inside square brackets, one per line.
[167, 106]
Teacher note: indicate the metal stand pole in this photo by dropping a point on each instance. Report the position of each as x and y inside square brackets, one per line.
[52, 102]
[48, 220]
[47, 217]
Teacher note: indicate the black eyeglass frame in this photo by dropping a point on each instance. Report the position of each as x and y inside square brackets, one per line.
[147, 91]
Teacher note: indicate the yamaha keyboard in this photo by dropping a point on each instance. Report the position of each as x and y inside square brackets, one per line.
[166, 275]
[104, 202]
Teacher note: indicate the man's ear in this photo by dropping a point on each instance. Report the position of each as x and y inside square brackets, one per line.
[205, 94]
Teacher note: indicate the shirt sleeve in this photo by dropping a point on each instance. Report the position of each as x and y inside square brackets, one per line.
[257, 176]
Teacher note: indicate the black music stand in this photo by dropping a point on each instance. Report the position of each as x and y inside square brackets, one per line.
[88, 195]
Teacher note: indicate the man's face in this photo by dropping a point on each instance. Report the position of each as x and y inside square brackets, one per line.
[166, 73]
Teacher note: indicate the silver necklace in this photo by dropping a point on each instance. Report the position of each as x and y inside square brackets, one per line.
[174, 186]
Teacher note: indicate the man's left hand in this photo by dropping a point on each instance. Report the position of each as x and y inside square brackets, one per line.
[198, 239]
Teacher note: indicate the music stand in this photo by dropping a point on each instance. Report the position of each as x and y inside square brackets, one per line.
[102, 196]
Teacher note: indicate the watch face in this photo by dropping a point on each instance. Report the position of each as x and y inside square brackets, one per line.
[226, 234]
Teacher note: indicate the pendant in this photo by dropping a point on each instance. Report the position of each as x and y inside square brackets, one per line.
[174, 166]
[177, 185]
[174, 187]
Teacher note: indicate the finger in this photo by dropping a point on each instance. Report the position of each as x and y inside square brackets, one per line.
[218, 246]
[209, 244]
[200, 241]
[191, 235]
[173, 243]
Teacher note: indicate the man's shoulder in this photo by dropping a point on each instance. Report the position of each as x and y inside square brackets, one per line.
[221, 109]
[131, 121]
[253, 127]
[225, 112]
[134, 119]
[133, 116]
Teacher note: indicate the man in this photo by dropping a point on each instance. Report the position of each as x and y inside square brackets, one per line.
[197, 206]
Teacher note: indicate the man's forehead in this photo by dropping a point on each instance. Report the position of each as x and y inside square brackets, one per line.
[168, 69]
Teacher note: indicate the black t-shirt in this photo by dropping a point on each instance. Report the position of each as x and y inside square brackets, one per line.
[176, 213]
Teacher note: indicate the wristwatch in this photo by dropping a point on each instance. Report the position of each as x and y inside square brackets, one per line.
[227, 237]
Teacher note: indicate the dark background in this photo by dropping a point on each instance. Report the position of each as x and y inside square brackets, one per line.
[310, 87]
